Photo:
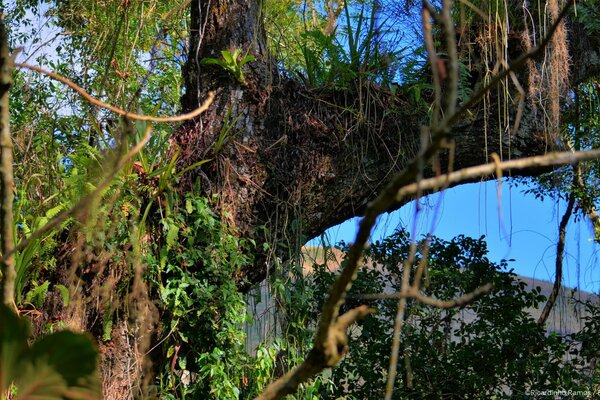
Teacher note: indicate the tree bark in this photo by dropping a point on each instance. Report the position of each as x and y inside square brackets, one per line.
[298, 161]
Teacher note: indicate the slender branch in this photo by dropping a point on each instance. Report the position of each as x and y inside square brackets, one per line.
[411, 292]
[486, 170]
[7, 265]
[560, 246]
[398, 323]
[451, 96]
[426, 14]
[116, 110]
[560, 251]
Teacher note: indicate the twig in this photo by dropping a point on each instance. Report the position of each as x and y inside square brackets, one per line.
[426, 14]
[560, 251]
[398, 323]
[116, 110]
[451, 96]
[412, 292]
[449, 108]
[7, 265]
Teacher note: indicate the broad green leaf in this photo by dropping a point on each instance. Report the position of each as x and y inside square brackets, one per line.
[247, 59]
[14, 332]
[227, 57]
[39, 381]
[72, 355]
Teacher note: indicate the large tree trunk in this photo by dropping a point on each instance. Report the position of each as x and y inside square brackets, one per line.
[298, 161]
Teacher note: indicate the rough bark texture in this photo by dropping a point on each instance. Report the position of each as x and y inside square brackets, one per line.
[298, 161]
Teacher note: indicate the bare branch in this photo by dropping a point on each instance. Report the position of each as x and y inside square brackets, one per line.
[560, 251]
[116, 110]
[411, 292]
[486, 170]
[560, 246]
[398, 323]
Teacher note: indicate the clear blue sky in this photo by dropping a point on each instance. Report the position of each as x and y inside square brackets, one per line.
[522, 228]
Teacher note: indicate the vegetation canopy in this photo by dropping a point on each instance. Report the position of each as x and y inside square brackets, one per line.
[163, 164]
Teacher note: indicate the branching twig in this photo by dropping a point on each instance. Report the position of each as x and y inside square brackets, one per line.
[116, 110]
[560, 251]
[412, 292]
[7, 265]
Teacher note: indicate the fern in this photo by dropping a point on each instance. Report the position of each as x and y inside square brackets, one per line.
[37, 295]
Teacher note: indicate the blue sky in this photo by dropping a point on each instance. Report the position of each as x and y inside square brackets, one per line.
[522, 228]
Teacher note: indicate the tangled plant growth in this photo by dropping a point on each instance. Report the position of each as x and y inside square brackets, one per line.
[155, 274]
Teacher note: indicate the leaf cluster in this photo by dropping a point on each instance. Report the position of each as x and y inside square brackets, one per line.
[231, 62]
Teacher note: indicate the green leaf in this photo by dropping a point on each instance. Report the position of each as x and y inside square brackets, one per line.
[64, 294]
[247, 59]
[189, 208]
[172, 235]
[71, 355]
[227, 57]
[213, 61]
[236, 55]
[53, 212]
[14, 332]
[37, 295]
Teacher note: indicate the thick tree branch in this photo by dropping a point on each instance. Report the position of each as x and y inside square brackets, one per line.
[7, 264]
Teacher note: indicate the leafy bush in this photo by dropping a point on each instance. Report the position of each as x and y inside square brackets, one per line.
[194, 270]
[490, 348]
